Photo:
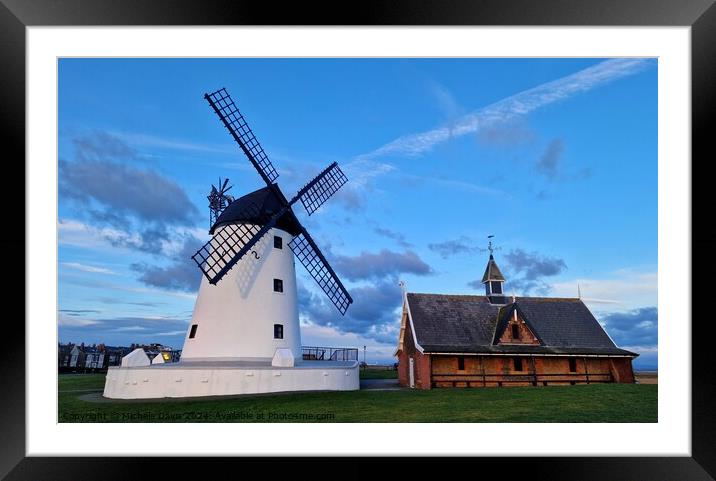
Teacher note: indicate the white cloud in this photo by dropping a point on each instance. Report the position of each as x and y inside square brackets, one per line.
[130, 328]
[641, 349]
[170, 333]
[76, 233]
[622, 290]
[70, 321]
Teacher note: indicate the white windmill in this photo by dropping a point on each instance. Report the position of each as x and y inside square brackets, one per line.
[244, 334]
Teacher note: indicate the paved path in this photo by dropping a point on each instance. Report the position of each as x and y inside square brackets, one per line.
[379, 384]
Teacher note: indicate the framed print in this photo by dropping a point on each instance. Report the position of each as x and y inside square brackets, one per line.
[492, 206]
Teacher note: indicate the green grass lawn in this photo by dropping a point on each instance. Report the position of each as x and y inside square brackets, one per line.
[589, 403]
[378, 374]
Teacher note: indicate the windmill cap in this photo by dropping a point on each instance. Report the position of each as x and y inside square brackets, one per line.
[257, 208]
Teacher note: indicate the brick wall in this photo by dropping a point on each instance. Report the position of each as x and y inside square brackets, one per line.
[622, 370]
[421, 362]
[525, 334]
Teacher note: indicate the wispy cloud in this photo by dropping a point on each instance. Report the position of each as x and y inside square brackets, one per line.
[445, 100]
[453, 184]
[94, 284]
[515, 106]
[146, 140]
[87, 268]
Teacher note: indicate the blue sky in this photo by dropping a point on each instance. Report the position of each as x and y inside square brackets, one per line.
[555, 157]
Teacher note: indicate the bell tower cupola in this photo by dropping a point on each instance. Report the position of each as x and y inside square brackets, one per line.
[493, 279]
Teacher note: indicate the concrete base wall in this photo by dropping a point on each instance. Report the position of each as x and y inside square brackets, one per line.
[163, 381]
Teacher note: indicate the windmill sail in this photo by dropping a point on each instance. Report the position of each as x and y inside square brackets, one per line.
[320, 189]
[229, 245]
[316, 264]
[224, 106]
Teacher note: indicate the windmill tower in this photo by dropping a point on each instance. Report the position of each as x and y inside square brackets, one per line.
[244, 334]
[247, 307]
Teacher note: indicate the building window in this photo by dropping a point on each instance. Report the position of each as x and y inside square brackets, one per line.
[518, 363]
[278, 331]
[461, 363]
[515, 331]
[572, 364]
[277, 242]
[496, 287]
[277, 285]
[192, 333]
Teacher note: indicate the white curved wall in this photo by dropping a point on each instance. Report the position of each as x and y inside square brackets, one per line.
[235, 318]
[165, 380]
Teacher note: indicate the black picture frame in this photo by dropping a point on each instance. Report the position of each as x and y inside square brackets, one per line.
[16, 15]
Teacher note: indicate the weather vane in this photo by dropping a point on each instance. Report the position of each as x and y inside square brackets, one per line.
[490, 247]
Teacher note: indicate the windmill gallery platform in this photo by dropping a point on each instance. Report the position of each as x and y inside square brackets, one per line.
[244, 335]
[217, 378]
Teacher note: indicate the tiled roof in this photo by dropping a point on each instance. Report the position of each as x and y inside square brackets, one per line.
[565, 323]
[452, 320]
[455, 323]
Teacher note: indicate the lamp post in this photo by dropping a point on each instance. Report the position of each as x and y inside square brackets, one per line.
[364, 363]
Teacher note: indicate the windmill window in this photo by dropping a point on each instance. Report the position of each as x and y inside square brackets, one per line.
[192, 332]
[515, 331]
[518, 363]
[572, 364]
[496, 287]
[461, 363]
[278, 331]
[277, 242]
[277, 285]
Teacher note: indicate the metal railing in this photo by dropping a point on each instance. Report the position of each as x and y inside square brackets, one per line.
[311, 353]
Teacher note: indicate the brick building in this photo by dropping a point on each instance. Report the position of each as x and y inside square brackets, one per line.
[498, 340]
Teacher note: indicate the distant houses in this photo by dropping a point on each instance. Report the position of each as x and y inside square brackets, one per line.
[97, 357]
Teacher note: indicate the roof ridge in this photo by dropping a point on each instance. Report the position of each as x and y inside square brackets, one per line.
[445, 295]
[544, 298]
[529, 298]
